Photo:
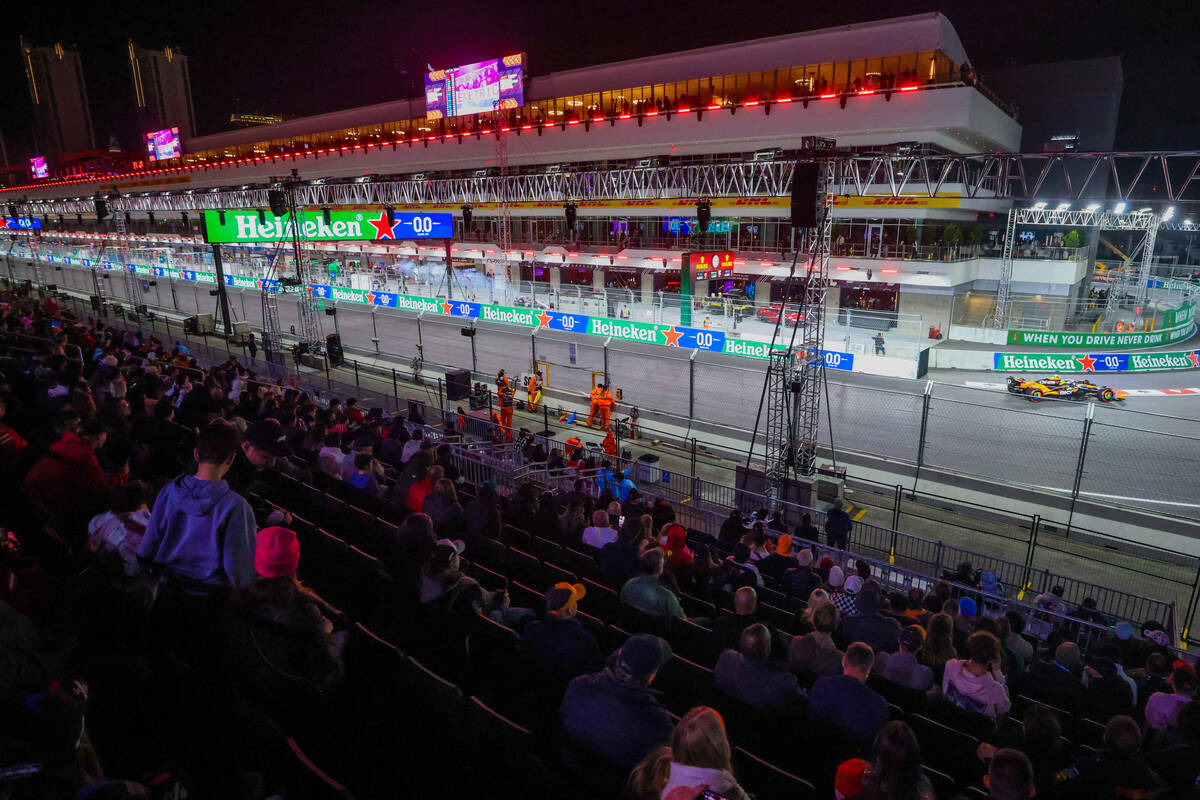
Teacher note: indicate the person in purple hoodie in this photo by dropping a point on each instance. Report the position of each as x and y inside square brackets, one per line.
[201, 532]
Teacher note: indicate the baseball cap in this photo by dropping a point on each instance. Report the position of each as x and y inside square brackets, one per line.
[967, 607]
[912, 637]
[642, 655]
[850, 779]
[445, 550]
[853, 584]
[564, 596]
[836, 577]
[268, 435]
[276, 552]
[783, 546]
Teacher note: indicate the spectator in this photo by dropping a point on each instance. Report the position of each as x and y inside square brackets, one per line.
[837, 526]
[420, 490]
[71, 470]
[938, 597]
[620, 560]
[939, 645]
[679, 557]
[1107, 694]
[728, 628]
[777, 563]
[870, 625]
[1057, 681]
[748, 675]
[1015, 641]
[1040, 738]
[1176, 755]
[845, 701]
[613, 713]
[902, 667]
[698, 758]
[740, 569]
[11, 442]
[895, 772]
[801, 580]
[443, 508]
[976, 683]
[1163, 708]
[283, 633]
[806, 531]
[1156, 678]
[264, 445]
[330, 456]
[120, 530]
[558, 644]
[413, 545]
[600, 532]
[1051, 601]
[483, 514]
[646, 592]
[849, 782]
[815, 653]
[731, 529]
[1117, 771]
[201, 532]
[362, 477]
[1010, 776]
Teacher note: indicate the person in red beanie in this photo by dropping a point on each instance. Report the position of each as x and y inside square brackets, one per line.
[284, 636]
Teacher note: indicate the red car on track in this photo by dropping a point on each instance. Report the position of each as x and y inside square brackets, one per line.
[770, 314]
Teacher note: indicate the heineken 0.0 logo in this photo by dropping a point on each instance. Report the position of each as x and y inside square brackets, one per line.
[236, 226]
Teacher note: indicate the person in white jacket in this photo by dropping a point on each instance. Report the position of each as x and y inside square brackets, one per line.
[976, 683]
[698, 756]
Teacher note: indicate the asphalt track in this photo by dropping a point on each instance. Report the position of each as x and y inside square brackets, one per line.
[1143, 453]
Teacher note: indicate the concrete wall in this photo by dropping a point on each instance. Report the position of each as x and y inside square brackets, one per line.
[934, 309]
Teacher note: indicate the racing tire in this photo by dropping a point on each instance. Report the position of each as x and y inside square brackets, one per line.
[1106, 395]
[1035, 395]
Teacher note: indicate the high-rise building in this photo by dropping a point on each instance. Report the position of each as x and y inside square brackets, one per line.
[162, 89]
[62, 118]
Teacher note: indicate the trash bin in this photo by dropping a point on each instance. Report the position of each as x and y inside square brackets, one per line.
[646, 471]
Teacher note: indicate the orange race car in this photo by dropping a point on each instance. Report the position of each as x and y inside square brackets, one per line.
[1057, 387]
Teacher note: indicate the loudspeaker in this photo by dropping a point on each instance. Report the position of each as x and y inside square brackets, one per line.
[466, 212]
[277, 200]
[101, 207]
[570, 210]
[458, 384]
[704, 214]
[804, 196]
[333, 348]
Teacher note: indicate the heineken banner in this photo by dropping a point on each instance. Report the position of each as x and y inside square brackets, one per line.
[1143, 339]
[1095, 362]
[1179, 316]
[625, 330]
[246, 226]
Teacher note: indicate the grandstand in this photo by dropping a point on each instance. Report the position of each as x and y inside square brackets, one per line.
[433, 699]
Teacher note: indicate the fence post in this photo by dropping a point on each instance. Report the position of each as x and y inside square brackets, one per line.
[328, 371]
[606, 342]
[925, 399]
[395, 389]
[356, 383]
[1193, 598]
[1035, 527]
[441, 405]
[1083, 443]
[896, 508]
[937, 567]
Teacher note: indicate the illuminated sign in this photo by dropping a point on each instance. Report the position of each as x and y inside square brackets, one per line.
[478, 88]
[20, 224]
[164, 144]
[38, 167]
[709, 266]
[247, 226]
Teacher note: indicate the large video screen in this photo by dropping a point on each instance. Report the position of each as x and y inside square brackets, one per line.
[38, 167]
[475, 88]
[164, 144]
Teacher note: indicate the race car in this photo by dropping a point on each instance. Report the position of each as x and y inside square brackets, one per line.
[770, 314]
[1055, 386]
[1102, 393]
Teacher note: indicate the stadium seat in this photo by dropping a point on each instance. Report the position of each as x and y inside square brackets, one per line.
[694, 642]
[767, 781]
[582, 564]
[944, 786]
[600, 601]
[781, 618]
[553, 574]
[911, 700]
[524, 567]
[304, 779]
[696, 607]
[495, 668]
[968, 722]
[489, 552]
[611, 638]
[637, 621]
[947, 749]
[684, 684]
[547, 550]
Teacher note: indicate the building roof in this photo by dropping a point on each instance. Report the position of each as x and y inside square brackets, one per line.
[915, 33]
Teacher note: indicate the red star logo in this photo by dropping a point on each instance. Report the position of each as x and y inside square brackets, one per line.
[446, 307]
[673, 336]
[1194, 357]
[543, 319]
[1088, 363]
[3, 222]
[370, 298]
[258, 283]
[382, 229]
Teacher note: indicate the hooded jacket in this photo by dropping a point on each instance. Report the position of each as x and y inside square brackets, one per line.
[201, 534]
[70, 469]
[984, 694]
[615, 719]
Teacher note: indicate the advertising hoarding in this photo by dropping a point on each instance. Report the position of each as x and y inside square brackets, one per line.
[478, 88]
[164, 144]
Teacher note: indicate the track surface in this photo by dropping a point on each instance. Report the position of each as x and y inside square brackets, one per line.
[1137, 455]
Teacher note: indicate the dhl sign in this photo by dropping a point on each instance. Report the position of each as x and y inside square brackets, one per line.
[946, 201]
[841, 201]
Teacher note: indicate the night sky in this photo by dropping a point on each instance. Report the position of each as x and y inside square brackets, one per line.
[303, 58]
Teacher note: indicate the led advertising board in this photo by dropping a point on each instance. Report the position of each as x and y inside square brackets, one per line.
[38, 167]
[478, 88]
[164, 144]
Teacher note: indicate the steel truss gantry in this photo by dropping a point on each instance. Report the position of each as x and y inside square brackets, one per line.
[796, 375]
[1134, 282]
[1158, 177]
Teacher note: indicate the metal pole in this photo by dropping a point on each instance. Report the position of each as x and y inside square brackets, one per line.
[1035, 527]
[924, 427]
[441, 404]
[222, 296]
[395, 389]
[606, 342]
[356, 383]
[692, 385]
[328, 375]
[449, 272]
[474, 357]
[896, 508]
[1087, 431]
